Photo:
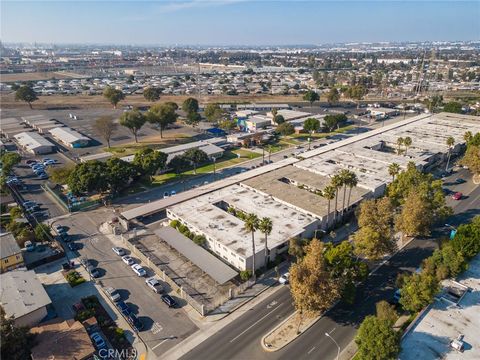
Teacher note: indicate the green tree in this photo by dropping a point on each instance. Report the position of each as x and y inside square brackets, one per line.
[162, 115]
[120, 174]
[400, 143]
[265, 226]
[351, 181]
[311, 125]
[356, 92]
[114, 96]
[16, 342]
[467, 239]
[227, 124]
[179, 164]
[9, 160]
[285, 129]
[296, 247]
[386, 312]
[279, 120]
[133, 120]
[329, 193]
[471, 159]
[274, 115]
[190, 105]
[213, 112]
[42, 233]
[27, 94]
[311, 284]
[251, 225]
[193, 118]
[106, 127]
[196, 157]
[416, 216]
[453, 107]
[149, 161]
[87, 177]
[152, 94]
[330, 122]
[418, 291]
[333, 96]
[444, 263]
[337, 183]
[377, 340]
[434, 102]
[311, 96]
[60, 175]
[393, 170]
[407, 142]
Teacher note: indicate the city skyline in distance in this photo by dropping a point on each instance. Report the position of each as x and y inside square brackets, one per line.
[238, 22]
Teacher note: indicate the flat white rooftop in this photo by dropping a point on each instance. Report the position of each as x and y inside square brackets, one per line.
[67, 135]
[201, 214]
[443, 322]
[32, 140]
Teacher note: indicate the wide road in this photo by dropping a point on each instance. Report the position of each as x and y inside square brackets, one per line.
[241, 338]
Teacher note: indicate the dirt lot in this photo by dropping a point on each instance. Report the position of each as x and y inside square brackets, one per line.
[37, 76]
[98, 101]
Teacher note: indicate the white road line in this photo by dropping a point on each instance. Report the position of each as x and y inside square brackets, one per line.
[331, 331]
[255, 323]
[160, 343]
[309, 351]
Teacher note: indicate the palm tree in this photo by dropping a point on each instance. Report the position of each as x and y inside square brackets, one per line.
[329, 193]
[344, 175]
[251, 224]
[265, 226]
[393, 170]
[352, 181]
[274, 114]
[450, 143]
[337, 184]
[400, 142]
[468, 136]
[407, 142]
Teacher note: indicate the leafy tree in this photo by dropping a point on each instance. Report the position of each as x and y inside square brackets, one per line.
[393, 170]
[356, 92]
[16, 342]
[418, 291]
[42, 233]
[311, 284]
[213, 112]
[88, 177]
[251, 225]
[120, 174]
[9, 160]
[60, 175]
[377, 340]
[190, 105]
[149, 161]
[285, 129]
[114, 96]
[227, 124]
[333, 121]
[106, 127]
[311, 125]
[416, 216]
[329, 193]
[265, 225]
[179, 163]
[15, 213]
[444, 263]
[400, 142]
[152, 94]
[333, 96]
[407, 142]
[386, 312]
[472, 154]
[344, 268]
[279, 119]
[296, 247]
[196, 157]
[193, 118]
[27, 94]
[453, 107]
[133, 120]
[162, 115]
[311, 96]
[467, 239]
[434, 102]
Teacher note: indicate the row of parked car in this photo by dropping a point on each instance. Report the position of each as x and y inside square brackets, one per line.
[38, 168]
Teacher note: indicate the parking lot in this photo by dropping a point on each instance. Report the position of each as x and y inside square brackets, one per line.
[164, 327]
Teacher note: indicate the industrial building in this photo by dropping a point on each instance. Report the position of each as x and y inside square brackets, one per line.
[34, 143]
[69, 137]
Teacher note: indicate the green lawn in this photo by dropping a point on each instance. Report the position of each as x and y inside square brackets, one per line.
[229, 158]
[321, 135]
[132, 148]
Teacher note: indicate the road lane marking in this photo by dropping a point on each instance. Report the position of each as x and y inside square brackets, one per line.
[156, 328]
[331, 331]
[309, 351]
[255, 323]
[160, 343]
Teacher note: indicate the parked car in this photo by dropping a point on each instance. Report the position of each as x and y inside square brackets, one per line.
[460, 181]
[396, 296]
[93, 271]
[113, 294]
[123, 307]
[73, 246]
[135, 322]
[27, 204]
[86, 262]
[118, 250]
[166, 194]
[173, 192]
[128, 260]
[138, 269]
[43, 176]
[170, 301]
[457, 196]
[284, 278]
[59, 229]
[154, 284]
[98, 341]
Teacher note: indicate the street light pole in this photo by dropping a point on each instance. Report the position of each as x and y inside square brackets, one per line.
[338, 346]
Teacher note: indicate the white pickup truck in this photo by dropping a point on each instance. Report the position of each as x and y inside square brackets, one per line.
[154, 284]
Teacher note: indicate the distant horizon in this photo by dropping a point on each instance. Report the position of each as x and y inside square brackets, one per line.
[239, 22]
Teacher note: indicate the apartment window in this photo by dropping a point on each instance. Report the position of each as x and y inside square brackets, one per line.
[5, 261]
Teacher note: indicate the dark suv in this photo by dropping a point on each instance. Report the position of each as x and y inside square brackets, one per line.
[170, 301]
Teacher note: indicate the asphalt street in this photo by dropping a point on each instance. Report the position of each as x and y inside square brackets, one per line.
[241, 338]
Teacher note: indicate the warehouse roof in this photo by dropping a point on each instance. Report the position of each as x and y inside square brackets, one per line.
[68, 135]
[208, 263]
[32, 140]
[8, 245]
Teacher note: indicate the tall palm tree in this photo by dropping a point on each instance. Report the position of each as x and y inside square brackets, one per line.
[400, 142]
[329, 193]
[344, 176]
[450, 143]
[393, 170]
[407, 142]
[274, 114]
[251, 224]
[352, 181]
[265, 226]
[468, 136]
[337, 184]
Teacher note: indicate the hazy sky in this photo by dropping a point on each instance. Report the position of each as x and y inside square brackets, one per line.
[237, 22]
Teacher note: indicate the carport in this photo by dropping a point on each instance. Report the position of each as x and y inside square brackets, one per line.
[215, 268]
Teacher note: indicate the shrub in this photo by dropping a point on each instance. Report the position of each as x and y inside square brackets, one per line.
[74, 278]
[174, 223]
[84, 315]
[245, 275]
[182, 228]
[119, 333]
[199, 240]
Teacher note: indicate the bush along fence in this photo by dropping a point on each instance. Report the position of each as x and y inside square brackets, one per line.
[85, 205]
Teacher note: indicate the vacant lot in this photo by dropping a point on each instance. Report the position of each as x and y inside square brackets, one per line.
[38, 76]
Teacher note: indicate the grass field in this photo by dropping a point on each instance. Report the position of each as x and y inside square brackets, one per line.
[156, 143]
[305, 137]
